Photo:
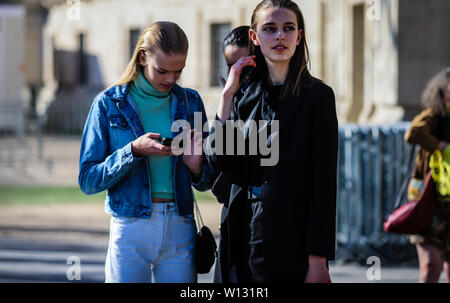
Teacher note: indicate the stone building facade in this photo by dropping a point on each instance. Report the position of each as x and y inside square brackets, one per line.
[376, 54]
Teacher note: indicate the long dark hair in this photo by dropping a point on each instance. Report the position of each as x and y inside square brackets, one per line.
[298, 74]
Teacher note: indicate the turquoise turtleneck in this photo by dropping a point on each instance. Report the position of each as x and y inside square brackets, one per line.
[155, 113]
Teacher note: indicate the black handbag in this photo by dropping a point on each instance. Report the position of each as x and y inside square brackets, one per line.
[205, 245]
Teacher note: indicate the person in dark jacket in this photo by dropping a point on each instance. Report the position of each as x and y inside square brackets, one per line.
[235, 46]
[282, 206]
[431, 131]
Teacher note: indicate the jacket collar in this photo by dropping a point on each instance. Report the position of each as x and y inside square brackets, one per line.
[127, 107]
[118, 92]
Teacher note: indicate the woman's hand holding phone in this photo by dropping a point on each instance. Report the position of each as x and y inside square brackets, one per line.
[148, 145]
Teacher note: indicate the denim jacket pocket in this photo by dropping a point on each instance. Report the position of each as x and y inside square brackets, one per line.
[121, 131]
[118, 121]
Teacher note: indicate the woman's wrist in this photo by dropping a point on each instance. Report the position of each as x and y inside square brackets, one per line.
[227, 95]
[225, 105]
[134, 150]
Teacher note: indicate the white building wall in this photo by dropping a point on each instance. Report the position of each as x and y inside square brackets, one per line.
[382, 66]
[106, 25]
[12, 67]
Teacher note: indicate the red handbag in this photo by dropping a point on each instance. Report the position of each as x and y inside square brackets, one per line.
[415, 216]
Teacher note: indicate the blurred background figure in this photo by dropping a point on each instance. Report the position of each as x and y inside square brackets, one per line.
[235, 46]
[431, 131]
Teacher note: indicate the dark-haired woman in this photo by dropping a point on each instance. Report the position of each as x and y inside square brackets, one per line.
[286, 208]
[431, 131]
[235, 46]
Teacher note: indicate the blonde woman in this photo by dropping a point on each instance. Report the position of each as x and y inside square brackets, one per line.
[149, 194]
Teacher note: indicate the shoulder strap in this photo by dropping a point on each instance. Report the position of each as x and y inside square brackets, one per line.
[199, 219]
[403, 189]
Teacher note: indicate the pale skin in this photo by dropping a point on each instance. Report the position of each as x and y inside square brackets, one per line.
[278, 35]
[162, 71]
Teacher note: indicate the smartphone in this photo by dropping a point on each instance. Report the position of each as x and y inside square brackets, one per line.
[166, 141]
[245, 74]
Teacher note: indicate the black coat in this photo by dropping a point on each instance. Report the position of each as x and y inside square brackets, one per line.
[298, 193]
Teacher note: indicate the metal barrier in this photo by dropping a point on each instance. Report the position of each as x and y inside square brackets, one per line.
[372, 163]
[12, 118]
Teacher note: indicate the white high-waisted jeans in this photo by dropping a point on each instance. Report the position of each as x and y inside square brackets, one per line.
[159, 249]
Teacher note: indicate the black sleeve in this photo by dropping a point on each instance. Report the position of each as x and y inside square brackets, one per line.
[321, 225]
[216, 145]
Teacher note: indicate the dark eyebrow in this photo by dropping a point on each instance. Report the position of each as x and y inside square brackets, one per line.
[273, 23]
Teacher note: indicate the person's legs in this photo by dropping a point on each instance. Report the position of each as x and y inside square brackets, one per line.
[447, 270]
[256, 257]
[176, 263]
[446, 257]
[130, 249]
[430, 262]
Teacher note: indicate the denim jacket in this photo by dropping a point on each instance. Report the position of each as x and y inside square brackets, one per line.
[107, 163]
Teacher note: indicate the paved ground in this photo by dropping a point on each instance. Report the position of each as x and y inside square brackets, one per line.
[40, 243]
[46, 243]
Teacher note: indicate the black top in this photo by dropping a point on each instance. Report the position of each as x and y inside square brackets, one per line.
[270, 102]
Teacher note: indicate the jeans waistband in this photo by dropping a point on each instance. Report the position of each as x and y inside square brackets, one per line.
[254, 193]
[164, 207]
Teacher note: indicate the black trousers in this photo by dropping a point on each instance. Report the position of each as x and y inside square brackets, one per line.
[255, 243]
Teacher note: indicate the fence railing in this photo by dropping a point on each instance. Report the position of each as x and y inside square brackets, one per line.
[12, 118]
[373, 162]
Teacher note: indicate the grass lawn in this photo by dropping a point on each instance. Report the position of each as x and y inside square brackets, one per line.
[42, 195]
